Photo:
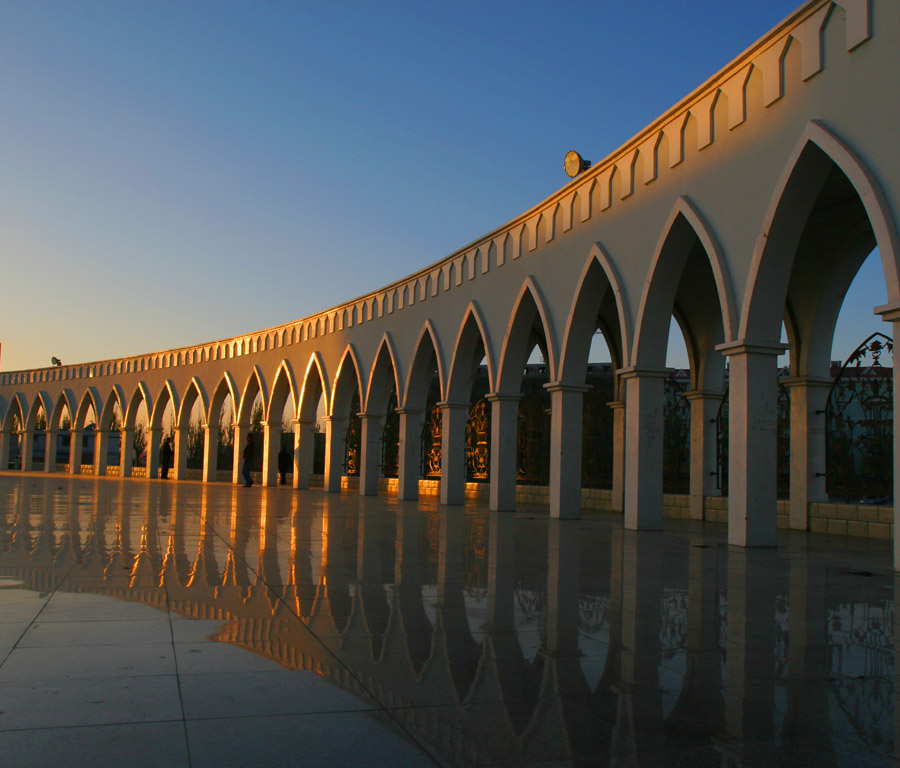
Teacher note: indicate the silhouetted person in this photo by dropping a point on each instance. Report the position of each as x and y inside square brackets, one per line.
[284, 464]
[166, 456]
[249, 452]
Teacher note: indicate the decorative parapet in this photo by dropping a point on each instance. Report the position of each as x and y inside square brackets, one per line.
[620, 176]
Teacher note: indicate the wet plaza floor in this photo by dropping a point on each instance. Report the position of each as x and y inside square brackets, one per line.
[169, 624]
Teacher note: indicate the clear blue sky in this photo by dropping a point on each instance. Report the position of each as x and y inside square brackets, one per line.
[174, 173]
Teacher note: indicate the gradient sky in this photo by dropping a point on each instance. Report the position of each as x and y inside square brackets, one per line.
[174, 173]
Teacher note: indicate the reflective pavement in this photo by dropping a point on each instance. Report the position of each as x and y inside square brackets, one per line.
[153, 623]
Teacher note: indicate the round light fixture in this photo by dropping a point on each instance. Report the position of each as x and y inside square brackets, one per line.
[575, 163]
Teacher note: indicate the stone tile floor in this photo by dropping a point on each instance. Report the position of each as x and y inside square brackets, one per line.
[169, 624]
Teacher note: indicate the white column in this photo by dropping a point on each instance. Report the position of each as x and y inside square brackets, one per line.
[304, 451]
[126, 451]
[566, 409]
[154, 436]
[76, 437]
[704, 414]
[335, 431]
[504, 435]
[238, 447]
[371, 429]
[270, 447]
[101, 449]
[808, 397]
[890, 313]
[410, 451]
[210, 452]
[618, 455]
[4, 449]
[752, 461]
[50, 450]
[26, 449]
[181, 451]
[453, 452]
[644, 425]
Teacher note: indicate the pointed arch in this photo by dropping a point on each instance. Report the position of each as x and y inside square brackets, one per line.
[140, 395]
[384, 372]
[683, 228]
[344, 382]
[586, 305]
[18, 406]
[42, 399]
[314, 386]
[472, 331]
[65, 401]
[283, 385]
[798, 189]
[89, 400]
[195, 389]
[225, 388]
[166, 395]
[254, 385]
[418, 378]
[521, 322]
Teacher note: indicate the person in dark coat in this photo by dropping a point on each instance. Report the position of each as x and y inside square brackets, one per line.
[249, 452]
[284, 464]
[166, 456]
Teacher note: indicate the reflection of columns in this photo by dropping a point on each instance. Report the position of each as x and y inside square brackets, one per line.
[504, 436]
[618, 455]
[501, 582]
[752, 463]
[101, 450]
[704, 412]
[335, 431]
[50, 450]
[371, 428]
[181, 453]
[238, 448]
[566, 408]
[304, 451]
[76, 439]
[26, 446]
[126, 451]
[453, 451]
[644, 425]
[409, 453]
[271, 445]
[563, 555]
[154, 435]
[749, 686]
[210, 452]
[4, 449]
[808, 398]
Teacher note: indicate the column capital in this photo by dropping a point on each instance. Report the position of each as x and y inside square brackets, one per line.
[270, 424]
[558, 386]
[703, 394]
[493, 397]
[806, 381]
[409, 411]
[751, 347]
[445, 405]
[634, 372]
[615, 405]
[890, 313]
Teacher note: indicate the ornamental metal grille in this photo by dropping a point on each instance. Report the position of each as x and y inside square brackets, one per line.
[597, 431]
[390, 440]
[859, 425]
[676, 439]
[353, 439]
[432, 437]
[478, 443]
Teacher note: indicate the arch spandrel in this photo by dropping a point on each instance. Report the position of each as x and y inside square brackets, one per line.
[65, 401]
[226, 387]
[254, 385]
[167, 394]
[315, 385]
[195, 390]
[284, 386]
[347, 376]
[18, 406]
[42, 399]
[141, 394]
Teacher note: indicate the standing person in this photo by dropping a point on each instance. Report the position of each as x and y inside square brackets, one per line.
[166, 458]
[284, 464]
[249, 452]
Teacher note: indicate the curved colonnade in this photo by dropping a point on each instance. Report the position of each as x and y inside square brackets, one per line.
[751, 203]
